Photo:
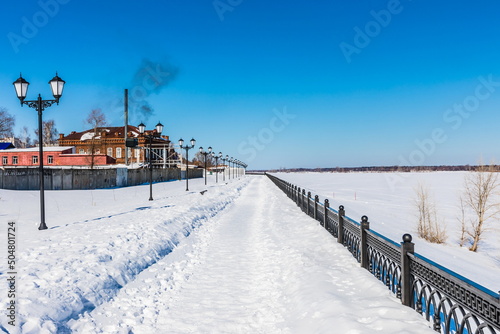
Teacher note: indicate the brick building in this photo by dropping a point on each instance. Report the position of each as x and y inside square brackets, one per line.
[52, 156]
[110, 141]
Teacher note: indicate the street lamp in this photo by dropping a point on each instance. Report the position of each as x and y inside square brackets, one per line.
[231, 160]
[142, 129]
[56, 85]
[187, 148]
[229, 167]
[216, 157]
[205, 154]
[237, 162]
[224, 171]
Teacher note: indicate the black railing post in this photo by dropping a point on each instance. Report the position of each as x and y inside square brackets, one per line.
[316, 199]
[365, 225]
[299, 203]
[303, 199]
[407, 247]
[340, 237]
[325, 214]
[308, 202]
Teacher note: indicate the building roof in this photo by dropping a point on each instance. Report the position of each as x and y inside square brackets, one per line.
[5, 146]
[108, 131]
[45, 149]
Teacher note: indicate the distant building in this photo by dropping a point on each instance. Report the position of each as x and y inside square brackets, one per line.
[17, 142]
[52, 156]
[110, 141]
[6, 146]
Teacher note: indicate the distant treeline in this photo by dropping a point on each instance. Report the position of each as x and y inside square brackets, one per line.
[399, 169]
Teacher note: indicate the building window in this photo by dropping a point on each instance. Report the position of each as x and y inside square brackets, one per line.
[14, 160]
[110, 151]
[50, 159]
[5, 160]
[34, 159]
[81, 151]
[118, 152]
[97, 151]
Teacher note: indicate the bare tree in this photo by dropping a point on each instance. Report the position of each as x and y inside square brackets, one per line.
[463, 223]
[428, 226]
[199, 160]
[6, 123]
[24, 138]
[480, 187]
[96, 119]
[49, 133]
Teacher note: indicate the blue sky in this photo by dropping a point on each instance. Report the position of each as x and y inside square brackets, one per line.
[272, 83]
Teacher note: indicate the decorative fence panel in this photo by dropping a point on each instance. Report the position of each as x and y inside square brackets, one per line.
[451, 302]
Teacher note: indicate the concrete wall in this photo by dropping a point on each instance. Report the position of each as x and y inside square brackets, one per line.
[67, 179]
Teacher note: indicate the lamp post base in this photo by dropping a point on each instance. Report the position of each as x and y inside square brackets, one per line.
[42, 226]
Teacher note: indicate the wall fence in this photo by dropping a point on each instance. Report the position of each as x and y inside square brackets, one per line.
[452, 303]
[26, 178]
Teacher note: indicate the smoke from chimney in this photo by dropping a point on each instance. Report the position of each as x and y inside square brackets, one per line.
[150, 78]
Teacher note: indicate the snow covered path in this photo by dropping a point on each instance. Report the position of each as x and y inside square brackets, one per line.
[259, 266]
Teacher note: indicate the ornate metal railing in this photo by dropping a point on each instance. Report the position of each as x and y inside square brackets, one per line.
[451, 302]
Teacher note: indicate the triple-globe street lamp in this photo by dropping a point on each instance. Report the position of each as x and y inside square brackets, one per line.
[56, 85]
[157, 134]
[187, 148]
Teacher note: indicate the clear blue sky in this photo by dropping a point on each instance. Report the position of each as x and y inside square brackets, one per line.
[272, 83]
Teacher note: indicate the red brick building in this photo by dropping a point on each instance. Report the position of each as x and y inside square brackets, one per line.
[52, 156]
[110, 141]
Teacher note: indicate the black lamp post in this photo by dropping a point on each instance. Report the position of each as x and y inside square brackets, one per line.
[187, 148]
[224, 171]
[205, 156]
[229, 167]
[216, 157]
[142, 129]
[21, 86]
[231, 161]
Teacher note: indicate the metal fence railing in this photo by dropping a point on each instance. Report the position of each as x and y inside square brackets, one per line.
[451, 302]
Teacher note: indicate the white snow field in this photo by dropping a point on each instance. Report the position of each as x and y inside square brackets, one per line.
[388, 199]
[242, 258]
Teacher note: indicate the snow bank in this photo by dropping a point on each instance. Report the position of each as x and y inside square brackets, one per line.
[94, 249]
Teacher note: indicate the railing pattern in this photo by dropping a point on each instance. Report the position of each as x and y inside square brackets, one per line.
[451, 302]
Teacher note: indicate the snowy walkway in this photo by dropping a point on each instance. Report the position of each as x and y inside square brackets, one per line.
[258, 266]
